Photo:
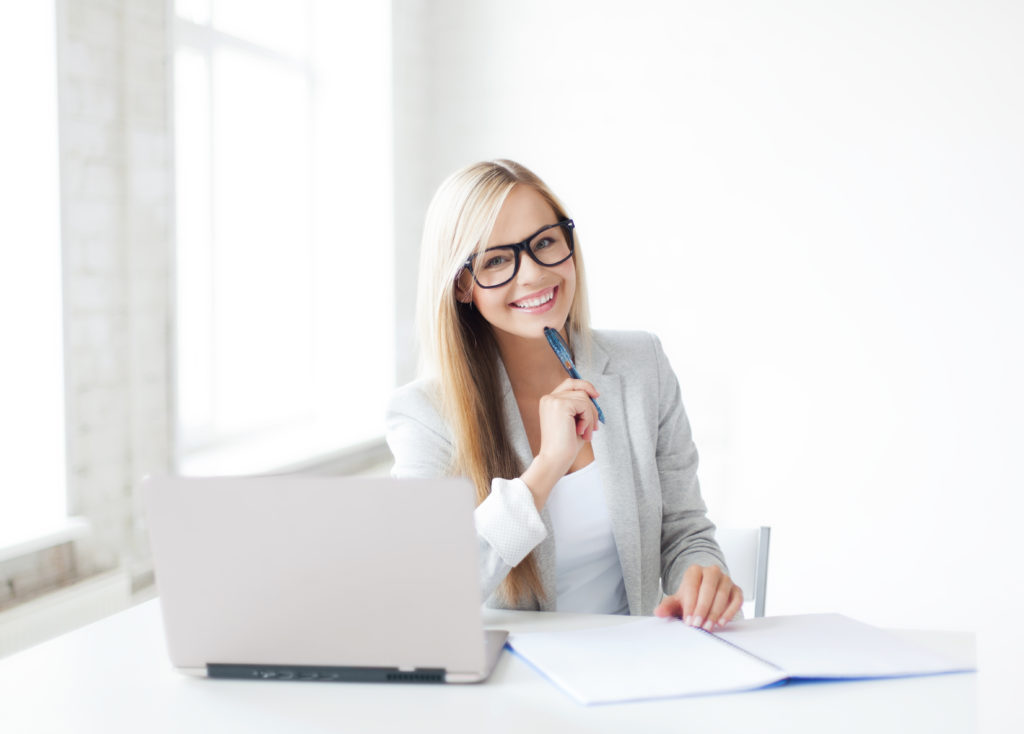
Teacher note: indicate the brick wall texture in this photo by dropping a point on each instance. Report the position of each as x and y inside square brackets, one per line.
[117, 201]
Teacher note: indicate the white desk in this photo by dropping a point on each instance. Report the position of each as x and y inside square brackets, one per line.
[114, 676]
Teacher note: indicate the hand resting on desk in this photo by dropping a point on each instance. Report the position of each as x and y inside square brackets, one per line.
[706, 598]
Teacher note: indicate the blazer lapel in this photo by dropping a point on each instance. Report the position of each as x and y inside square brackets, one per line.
[615, 461]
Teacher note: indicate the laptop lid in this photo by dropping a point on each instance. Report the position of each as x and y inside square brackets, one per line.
[318, 572]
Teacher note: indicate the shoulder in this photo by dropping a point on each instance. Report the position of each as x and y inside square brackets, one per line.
[416, 433]
[638, 354]
[418, 399]
[628, 348]
[615, 341]
[414, 411]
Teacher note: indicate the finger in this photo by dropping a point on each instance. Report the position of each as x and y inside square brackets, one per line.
[577, 398]
[688, 591]
[586, 421]
[721, 601]
[583, 386]
[708, 588]
[735, 602]
[574, 403]
[582, 424]
[577, 404]
[670, 606]
[591, 410]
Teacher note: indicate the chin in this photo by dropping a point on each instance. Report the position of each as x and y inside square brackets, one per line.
[536, 330]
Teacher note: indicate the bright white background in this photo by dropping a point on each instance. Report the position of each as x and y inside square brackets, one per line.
[32, 490]
[817, 206]
[284, 213]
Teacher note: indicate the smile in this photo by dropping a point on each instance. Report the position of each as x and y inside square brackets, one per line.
[534, 301]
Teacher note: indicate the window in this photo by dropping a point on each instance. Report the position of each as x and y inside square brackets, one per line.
[32, 493]
[284, 230]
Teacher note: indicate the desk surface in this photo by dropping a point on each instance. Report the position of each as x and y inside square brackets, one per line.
[115, 676]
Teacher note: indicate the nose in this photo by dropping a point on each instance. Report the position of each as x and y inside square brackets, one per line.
[529, 271]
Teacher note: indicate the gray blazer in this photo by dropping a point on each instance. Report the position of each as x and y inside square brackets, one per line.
[645, 453]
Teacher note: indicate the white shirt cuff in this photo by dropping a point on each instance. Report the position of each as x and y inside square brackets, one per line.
[509, 521]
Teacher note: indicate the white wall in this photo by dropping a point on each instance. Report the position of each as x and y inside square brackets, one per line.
[817, 208]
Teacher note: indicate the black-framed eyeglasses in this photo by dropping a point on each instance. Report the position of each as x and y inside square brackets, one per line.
[548, 246]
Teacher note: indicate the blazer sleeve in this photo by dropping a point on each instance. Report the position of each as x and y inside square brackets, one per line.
[687, 535]
[508, 525]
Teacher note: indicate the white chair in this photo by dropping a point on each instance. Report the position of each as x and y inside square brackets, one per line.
[746, 554]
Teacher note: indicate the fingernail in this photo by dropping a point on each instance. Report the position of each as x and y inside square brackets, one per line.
[689, 619]
[708, 625]
[722, 622]
[697, 621]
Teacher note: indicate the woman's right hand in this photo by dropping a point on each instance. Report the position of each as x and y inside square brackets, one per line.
[568, 420]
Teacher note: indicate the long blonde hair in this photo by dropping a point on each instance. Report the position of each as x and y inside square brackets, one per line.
[457, 344]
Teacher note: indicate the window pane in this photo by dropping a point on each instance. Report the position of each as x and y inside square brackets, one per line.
[197, 11]
[31, 372]
[354, 213]
[194, 247]
[262, 258]
[282, 25]
[285, 237]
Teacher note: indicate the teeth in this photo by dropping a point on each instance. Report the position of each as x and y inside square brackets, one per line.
[534, 302]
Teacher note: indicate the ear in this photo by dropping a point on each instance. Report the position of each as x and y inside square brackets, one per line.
[464, 287]
[463, 295]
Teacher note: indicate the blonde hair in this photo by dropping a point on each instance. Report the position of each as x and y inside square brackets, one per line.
[457, 344]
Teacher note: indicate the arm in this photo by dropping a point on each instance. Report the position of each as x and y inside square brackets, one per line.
[508, 524]
[692, 564]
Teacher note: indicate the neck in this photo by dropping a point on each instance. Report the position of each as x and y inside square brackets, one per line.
[533, 369]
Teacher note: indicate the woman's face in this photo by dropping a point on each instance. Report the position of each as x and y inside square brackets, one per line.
[538, 296]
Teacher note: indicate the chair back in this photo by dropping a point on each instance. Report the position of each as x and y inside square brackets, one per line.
[746, 554]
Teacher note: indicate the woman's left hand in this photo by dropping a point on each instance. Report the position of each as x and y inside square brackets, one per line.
[706, 598]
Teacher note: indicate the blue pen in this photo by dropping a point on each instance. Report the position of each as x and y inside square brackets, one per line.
[562, 352]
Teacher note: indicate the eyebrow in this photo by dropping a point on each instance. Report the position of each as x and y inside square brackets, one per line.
[522, 241]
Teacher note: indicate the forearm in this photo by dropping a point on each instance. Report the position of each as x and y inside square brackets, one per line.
[697, 547]
[540, 478]
[508, 527]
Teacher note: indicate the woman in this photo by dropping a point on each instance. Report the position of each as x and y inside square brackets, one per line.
[573, 514]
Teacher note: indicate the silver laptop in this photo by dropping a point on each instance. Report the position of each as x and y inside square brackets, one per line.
[320, 578]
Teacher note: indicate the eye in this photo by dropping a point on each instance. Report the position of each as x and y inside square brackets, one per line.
[496, 260]
[543, 243]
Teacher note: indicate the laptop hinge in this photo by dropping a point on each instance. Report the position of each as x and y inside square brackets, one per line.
[339, 674]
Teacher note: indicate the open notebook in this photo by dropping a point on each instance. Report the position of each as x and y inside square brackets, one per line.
[662, 658]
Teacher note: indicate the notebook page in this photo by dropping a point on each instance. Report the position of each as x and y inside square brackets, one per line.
[833, 646]
[649, 658]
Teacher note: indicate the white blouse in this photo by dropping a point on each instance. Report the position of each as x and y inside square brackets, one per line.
[587, 570]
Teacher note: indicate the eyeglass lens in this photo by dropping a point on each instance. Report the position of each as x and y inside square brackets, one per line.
[497, 266]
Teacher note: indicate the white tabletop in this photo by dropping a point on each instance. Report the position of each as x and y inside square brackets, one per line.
[114, 676]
